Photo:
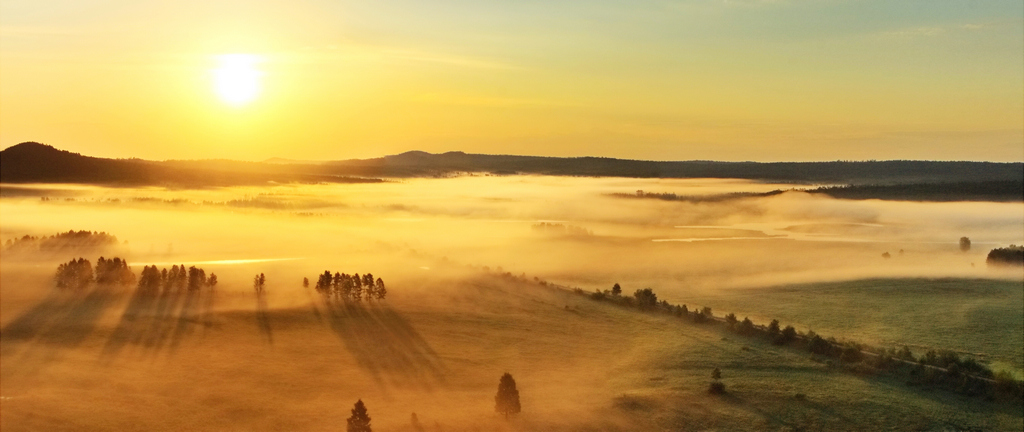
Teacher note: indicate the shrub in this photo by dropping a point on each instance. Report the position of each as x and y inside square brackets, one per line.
[716, 387]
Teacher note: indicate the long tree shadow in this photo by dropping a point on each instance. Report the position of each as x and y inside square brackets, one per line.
[262, 318]
[386, 345]
[158, 319]
[190, 314]
[59, 322]
[133, 320]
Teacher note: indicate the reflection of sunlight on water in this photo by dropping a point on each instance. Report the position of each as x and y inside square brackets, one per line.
[220, 262]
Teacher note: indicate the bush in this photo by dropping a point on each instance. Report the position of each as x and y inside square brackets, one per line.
[716, 387]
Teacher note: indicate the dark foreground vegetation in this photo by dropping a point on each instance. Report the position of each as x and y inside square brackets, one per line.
[1012, 256]
[32, 162]
[941, 369]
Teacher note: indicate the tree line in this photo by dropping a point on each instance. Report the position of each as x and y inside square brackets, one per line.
[153, 279]
[944, 368]
[1008, 256]
[80, 240]
[346, 287]
[79, 273]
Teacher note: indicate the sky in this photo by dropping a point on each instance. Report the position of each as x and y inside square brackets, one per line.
[762, 80]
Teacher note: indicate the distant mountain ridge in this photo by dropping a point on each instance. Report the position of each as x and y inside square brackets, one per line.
[419, 163]
[35, 162]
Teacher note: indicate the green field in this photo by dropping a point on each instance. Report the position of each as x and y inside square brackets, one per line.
[982, 317]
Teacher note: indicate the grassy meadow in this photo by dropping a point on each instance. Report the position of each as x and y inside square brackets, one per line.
[105, 358]
[979, 317]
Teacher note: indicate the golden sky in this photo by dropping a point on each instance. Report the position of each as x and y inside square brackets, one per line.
[764, 80]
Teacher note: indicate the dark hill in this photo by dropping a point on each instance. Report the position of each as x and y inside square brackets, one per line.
[33, 162]
[419, 163]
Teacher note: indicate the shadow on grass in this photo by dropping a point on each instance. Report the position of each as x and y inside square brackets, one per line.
[262, 318]
[386, 345]
[61, 321]
[154, 320]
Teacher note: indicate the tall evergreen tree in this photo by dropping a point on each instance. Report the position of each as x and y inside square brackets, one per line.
[360, 420]
[506, 402]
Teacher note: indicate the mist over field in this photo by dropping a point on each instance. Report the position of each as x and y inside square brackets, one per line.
[451, 324]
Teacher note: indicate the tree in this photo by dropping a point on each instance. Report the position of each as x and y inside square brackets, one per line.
[305, 282]
[370, 292]
[196, 278]
[360, 420]
[716, 387]
[212, 281]
[788, 334]
[773, 328]
[506, 402]
[616, 289]
[357, 287]
[258, 283]
[381, 291]
[747, 326]
[731, 320]
[646, 298]
[965, 244]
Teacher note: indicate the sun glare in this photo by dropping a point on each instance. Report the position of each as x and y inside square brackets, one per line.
[236, 80]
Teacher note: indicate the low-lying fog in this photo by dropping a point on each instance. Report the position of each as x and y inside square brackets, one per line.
[436, 346]
[404, 226]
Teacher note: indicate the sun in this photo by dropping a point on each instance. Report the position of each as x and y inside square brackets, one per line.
[236, 80]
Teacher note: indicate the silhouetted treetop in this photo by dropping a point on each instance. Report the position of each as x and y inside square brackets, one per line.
[1007, 256]
[506, 402]
[360, 419]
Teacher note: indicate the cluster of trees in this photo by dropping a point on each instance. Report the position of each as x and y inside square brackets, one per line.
[995, 190]
[114, 271]
[1008, 256]
[75, 274]
[345, 287]
[944, 368]
[259, 283]
[154, 279]
[697, 198]
[71, 240]
[78, 273]
[561, 229]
